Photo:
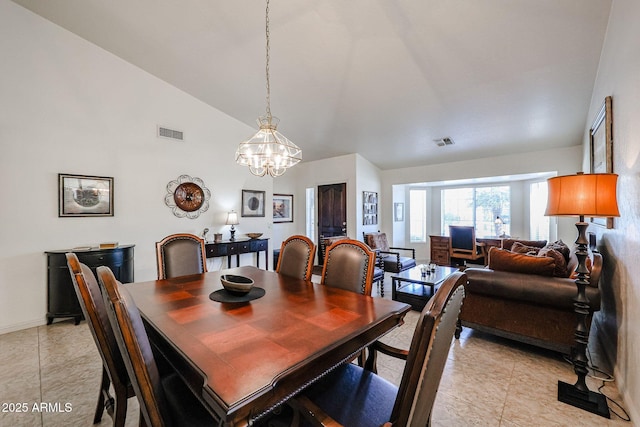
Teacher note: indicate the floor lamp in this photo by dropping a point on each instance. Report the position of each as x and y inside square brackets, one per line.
[591, 195]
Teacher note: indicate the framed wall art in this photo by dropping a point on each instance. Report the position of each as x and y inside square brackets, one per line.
[282, 208]
[84, 195]
[601, 145]
[369, 208]
[398, 212]
[252, 203]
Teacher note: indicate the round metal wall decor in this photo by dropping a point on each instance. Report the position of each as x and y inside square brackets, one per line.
[187, 197]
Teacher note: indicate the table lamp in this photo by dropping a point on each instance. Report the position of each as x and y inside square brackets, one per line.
[232, 220]
[581, 195]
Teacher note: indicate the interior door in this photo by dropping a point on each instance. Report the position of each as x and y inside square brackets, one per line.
[332, 210]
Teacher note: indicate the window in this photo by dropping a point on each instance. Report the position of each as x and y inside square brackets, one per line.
[418, 215]
[538, 223]
[479, 207]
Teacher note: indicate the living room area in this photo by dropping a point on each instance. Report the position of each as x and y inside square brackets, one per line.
[71, 106]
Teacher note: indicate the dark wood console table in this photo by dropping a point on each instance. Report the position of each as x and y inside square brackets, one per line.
[239, 246]
[61, 297]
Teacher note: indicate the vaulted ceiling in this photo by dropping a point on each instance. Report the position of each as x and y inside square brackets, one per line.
[378, 77]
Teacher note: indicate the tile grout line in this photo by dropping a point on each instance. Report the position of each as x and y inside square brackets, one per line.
[40, 375]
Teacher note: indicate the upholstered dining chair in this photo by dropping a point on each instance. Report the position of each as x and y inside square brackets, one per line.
[164, 400]
[296, 257]
[464, 245]
[349, 265]
[113, 369]
[180, 255]
[357, 397]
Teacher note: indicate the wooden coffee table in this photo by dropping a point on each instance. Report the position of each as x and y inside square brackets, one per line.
[414, 288]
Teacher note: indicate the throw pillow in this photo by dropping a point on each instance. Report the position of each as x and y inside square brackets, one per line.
[503, 260]
[521, 248]
[561, 247]
[508, 243]
[560, 263]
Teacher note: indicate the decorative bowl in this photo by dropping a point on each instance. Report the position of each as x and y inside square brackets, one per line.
[254, 235]
[236, 285]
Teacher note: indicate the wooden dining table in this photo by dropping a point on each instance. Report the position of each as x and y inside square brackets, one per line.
[243, 360]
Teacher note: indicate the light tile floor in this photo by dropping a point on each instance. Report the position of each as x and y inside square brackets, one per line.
[487, 381]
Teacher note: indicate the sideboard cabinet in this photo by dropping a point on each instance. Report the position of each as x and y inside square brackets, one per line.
[61, 297]
[229, 248]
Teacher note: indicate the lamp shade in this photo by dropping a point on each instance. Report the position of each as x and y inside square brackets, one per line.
[232, 218]
[591, 195]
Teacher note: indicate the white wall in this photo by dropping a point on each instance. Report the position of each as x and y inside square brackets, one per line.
[619, 321]
[368, 179]
[67, 106]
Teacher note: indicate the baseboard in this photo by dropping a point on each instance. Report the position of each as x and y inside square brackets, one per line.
[22, 325]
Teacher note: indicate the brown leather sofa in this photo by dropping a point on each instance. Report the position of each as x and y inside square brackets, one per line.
[530, 308]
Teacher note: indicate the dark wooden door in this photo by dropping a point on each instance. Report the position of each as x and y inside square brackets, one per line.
[332, 210]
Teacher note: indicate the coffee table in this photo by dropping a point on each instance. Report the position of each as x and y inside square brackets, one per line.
[414, 288]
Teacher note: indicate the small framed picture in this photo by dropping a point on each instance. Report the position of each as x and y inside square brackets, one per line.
[84, 195]
[282, 208]
[252, 203]
[398, 212]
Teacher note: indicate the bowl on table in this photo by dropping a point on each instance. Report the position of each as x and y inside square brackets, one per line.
[254, 235]
[236, 285]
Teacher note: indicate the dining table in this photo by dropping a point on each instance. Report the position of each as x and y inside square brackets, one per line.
[245, 359]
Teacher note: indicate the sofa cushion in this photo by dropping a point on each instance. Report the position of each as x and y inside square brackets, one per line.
[559, 260]
[503, 260]
[521, 248]
[507, 243]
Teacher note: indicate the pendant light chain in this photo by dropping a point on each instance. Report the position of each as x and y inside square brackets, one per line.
[267, 64]
[268, 152]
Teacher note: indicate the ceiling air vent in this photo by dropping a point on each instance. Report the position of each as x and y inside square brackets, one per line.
[441, 142]
[170, 133]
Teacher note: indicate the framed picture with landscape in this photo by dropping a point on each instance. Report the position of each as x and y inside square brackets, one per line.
[282, 208]
[601, 147]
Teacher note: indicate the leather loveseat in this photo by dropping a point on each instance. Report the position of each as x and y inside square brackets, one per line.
[531, 308]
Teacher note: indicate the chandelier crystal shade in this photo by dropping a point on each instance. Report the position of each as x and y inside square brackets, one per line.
[268, 151]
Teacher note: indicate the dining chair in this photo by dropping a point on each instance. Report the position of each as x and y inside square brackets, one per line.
[180, 255]
[296, 257]
[349, 265]
[113, 369]
[357, 397]
[164, 399]
[463, 244]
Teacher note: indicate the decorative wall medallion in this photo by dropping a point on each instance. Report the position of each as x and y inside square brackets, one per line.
[187, 197]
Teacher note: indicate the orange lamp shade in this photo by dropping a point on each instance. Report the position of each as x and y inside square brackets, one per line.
[591, 195]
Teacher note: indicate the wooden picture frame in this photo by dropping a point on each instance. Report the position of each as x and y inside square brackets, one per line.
[282, 208]
[252, 203]
[369, 208]
[84, 195]
[398, 212]
[601, 148]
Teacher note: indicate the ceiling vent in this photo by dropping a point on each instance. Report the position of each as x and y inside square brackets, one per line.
[441, 142]
[170, 134]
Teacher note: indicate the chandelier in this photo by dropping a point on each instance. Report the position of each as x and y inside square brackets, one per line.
[268, 151]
